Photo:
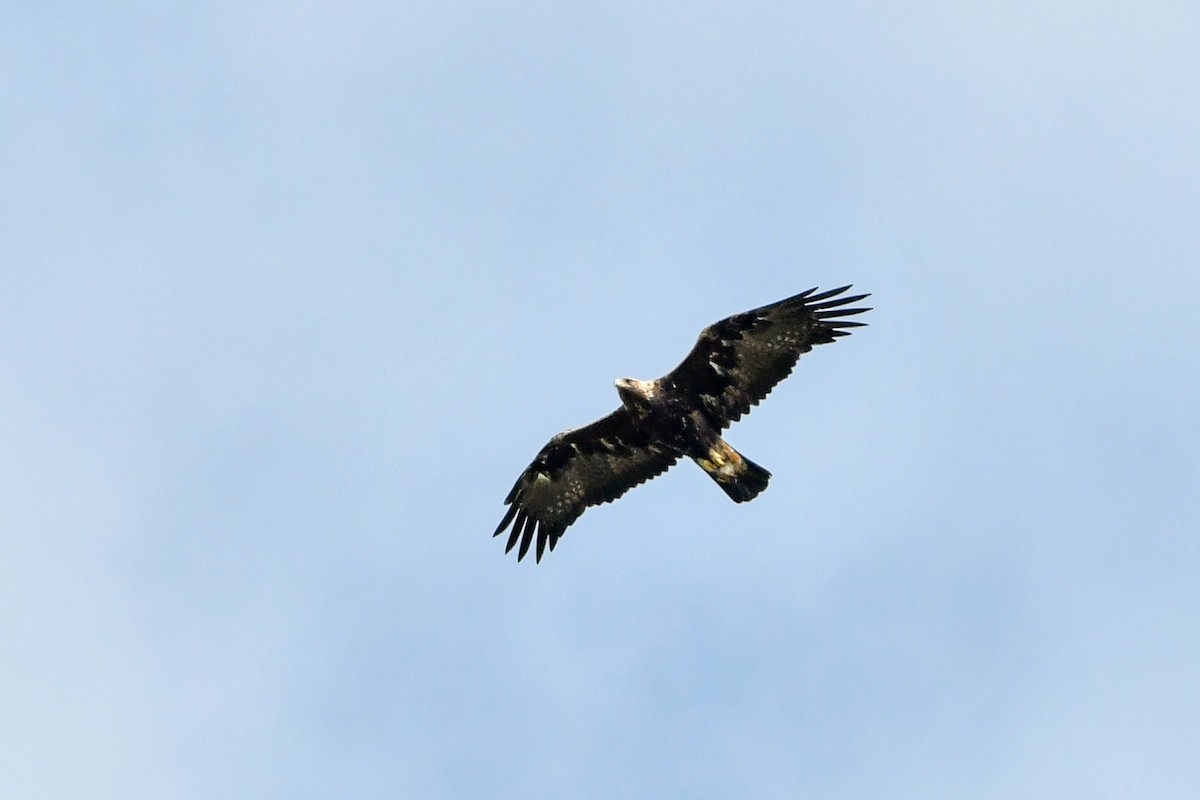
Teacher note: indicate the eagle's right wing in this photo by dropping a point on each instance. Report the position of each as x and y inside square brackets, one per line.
[582, 467]
[736, 362]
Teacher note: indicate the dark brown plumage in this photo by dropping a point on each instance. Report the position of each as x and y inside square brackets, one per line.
[734, 364]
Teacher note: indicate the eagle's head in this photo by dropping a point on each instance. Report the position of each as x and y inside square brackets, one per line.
[636, 395]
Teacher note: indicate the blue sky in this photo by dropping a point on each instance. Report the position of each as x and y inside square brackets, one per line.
[292, 293]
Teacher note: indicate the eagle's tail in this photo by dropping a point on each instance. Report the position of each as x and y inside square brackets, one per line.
[740, 477]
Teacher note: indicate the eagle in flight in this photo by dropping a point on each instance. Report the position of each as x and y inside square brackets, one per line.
[733, 366]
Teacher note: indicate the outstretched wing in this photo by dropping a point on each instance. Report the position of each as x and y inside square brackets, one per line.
[579, 468]
[737, 361]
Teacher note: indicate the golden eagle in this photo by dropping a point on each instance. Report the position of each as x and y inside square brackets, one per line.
[734, 364]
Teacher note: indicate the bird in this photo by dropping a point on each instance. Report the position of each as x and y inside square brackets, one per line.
[734, 364]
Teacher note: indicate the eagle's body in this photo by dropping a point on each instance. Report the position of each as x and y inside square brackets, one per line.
[733, 365]
[681, 424]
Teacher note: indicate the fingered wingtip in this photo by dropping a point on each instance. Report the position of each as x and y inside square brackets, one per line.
[816, 298]
[508, 517]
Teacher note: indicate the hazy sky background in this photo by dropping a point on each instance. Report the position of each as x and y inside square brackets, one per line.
[291, 293]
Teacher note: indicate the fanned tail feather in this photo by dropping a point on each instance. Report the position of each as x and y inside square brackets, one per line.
[738, 476]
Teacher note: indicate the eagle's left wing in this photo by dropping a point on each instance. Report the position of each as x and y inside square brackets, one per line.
[737, 361]
[582, 467]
